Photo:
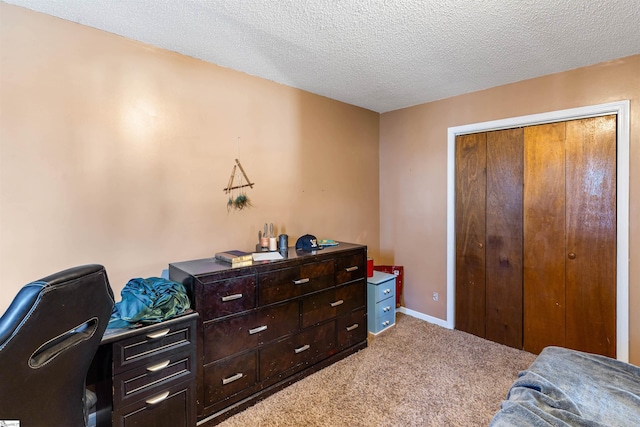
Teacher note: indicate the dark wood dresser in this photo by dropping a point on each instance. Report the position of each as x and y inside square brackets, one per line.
[264, 326]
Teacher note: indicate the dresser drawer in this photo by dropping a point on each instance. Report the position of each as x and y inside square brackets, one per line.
[297, 352]
[352, 328]
[229, 377]
[331, 303]
[279, 285]
[229, 336]
[153, 343]
[350, 267]
[385, 321]
[229, 296]
[157, 373]
[173, 406]
[386, 290]
[383, 307]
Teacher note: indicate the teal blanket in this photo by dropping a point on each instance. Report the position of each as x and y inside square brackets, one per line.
[149, 300]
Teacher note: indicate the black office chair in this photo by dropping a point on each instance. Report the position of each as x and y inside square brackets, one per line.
[48, 338]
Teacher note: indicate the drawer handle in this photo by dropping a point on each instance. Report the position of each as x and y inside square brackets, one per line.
[301, 281]
[387, 308]
[159, 398]
[159, 334]
[350, 269]
[258, 329]
[303, 348]
[232, 378]
[352, 327]
[337, 303]
[159, 366]
[387, 291]
[386, 323]
[231, 297]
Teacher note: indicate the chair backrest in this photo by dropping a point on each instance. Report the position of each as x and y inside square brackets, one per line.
[48, 338]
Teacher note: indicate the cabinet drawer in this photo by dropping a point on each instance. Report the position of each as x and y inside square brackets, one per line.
[383, 307]
[229, 296]
[384, 322]
[291, 282]
[229, 377]
[170, 407]
[385, 290]
[350, 267]
[230, 336]
[333, 302]
[297, 352]
[163, 339]
[352, 328]
[145, 380]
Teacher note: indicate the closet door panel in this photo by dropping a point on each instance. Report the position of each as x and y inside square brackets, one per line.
[470, 233]
[544, 231]
[591, 235]
[504, 239]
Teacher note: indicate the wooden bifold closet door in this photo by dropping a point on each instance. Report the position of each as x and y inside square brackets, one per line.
[489, 173]
[536, 235]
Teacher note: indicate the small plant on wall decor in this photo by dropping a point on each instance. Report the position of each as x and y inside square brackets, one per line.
[238, 198]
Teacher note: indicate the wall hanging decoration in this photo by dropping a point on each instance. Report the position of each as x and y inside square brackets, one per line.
[238, 198]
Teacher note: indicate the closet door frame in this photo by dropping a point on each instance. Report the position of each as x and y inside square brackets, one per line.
[619, 108]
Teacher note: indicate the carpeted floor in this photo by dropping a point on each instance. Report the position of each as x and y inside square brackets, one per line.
[414, 374]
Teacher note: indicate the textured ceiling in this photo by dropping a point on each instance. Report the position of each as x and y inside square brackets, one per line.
[377, 54]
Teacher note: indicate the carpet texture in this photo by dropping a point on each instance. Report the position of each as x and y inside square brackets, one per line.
[414, 374]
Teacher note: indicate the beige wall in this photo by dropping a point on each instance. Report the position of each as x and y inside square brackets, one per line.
[413, 172]
[115, 152]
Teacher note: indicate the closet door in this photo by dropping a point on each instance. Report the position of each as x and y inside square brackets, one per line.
[544, 225]
[471, 155]
[503, 311]
[536, 266]
[591, 235]
[570, 236]
[489, 169]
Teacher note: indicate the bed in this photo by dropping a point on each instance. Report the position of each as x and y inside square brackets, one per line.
[565, 387]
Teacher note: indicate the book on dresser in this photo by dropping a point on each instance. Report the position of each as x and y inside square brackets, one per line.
[235, 257]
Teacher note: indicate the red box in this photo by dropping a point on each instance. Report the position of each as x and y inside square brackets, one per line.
[369, 267]
[398, 271]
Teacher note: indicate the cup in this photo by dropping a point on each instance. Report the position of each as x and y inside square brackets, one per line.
[273, 244]
[369, 267]
[283, 241]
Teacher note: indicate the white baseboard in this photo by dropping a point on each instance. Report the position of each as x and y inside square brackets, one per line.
[424, 317]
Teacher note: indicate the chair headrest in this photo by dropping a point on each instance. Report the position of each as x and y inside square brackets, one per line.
[21, 304]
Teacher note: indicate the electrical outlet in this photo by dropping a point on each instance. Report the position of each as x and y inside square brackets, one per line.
[435, 296]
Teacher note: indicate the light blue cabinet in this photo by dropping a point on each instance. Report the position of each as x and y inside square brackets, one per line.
[381, 301]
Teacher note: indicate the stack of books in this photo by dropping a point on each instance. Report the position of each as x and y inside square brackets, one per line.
[235, 258]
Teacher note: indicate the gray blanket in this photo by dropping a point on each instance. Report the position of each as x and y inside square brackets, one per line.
[569, 388]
